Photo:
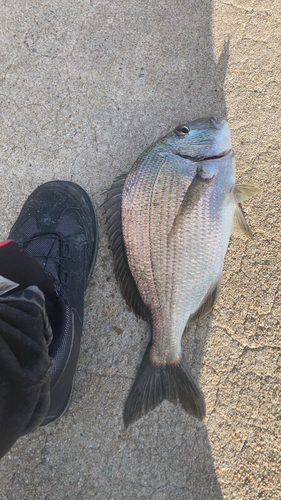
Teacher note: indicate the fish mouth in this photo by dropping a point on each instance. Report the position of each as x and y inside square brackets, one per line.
[204, 158]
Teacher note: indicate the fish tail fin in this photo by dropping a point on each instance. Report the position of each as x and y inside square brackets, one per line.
[154, 384]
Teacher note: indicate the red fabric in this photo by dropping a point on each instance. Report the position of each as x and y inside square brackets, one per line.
[2, 243]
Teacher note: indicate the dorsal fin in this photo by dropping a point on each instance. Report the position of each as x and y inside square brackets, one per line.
[124, 276]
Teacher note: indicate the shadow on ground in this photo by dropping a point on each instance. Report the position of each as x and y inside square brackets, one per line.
[90, 86]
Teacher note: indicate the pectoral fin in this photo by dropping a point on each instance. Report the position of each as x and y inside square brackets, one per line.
[194, 193]
[243, 192]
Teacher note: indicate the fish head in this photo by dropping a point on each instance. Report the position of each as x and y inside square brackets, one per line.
[199, 140]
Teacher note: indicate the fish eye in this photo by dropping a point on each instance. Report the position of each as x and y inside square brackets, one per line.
[182, 130]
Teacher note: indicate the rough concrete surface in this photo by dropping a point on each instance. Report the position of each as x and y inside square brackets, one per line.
[85, 87]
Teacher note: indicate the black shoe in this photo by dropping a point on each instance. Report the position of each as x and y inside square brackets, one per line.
[58, 226]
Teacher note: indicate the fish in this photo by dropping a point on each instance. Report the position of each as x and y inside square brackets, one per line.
[169, 223]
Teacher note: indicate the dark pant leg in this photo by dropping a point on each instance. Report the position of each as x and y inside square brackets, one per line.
[25, 366]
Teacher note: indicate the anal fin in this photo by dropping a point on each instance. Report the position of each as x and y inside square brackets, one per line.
[207, 305]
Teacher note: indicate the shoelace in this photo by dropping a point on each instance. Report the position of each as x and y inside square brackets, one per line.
[61, 276]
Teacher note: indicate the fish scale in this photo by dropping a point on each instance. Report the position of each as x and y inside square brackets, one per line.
[169, 223]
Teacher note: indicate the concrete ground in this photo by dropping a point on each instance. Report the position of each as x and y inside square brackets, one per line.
[86, 85]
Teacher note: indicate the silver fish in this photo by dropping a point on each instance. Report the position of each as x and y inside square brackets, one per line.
[169, 223]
